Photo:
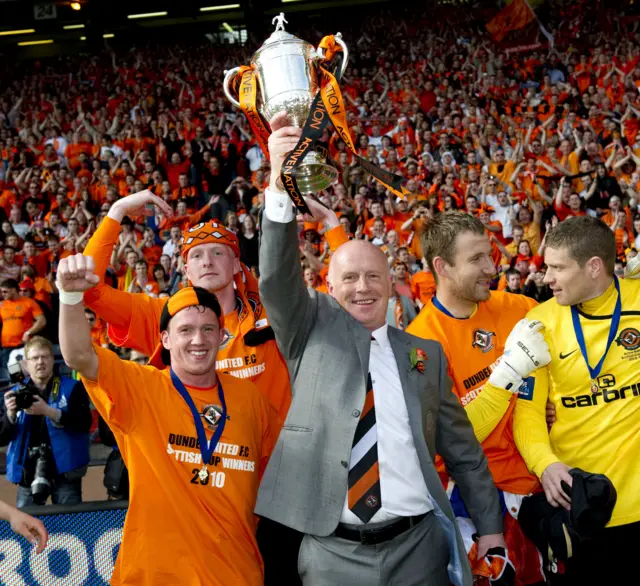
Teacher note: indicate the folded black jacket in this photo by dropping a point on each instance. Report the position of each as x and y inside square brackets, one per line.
[556, 532]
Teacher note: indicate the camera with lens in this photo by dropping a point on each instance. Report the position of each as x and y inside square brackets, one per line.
[39, 459]
[25, 389]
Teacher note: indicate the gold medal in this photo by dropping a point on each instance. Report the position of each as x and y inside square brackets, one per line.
[594, 387]
[203, 475]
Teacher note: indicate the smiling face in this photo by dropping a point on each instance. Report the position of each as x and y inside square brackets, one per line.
[469, 275]
[359, 281]
[524, 248]
[193, 338]
[211, 266]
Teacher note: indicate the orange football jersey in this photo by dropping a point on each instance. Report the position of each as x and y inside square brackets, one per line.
[472, 347]
[133, 322]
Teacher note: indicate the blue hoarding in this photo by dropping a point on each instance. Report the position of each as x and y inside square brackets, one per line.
[82, 548]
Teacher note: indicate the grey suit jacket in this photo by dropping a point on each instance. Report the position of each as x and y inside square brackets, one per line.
[327, 351]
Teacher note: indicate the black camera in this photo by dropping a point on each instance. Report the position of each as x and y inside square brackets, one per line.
[41, 483]
[24, 390]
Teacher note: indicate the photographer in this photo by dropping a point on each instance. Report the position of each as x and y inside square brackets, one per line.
[46, 423]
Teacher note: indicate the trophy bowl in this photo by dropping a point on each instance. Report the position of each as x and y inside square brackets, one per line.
[285, 68]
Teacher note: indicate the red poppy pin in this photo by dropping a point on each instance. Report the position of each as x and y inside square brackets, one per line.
[418, 357]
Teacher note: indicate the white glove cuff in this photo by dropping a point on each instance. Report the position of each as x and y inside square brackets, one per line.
[71, 297]
[505, 377]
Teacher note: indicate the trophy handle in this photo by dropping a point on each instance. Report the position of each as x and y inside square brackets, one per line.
[228, 77]
[345, 53]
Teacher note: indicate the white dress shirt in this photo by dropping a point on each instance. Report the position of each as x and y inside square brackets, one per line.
[403, 490]
[170, 248]
[501, 213]
[278, 206]
[255, 156]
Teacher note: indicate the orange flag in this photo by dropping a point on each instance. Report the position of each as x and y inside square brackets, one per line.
[513, 17]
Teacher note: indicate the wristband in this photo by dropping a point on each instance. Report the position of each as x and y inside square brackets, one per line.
[70, 297]
[505, 377]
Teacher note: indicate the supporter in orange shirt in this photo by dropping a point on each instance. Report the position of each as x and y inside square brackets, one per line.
[377, 213]
[423, 285]
[195, 442]
[78, 146]
[401, 279]
[210, 252]
[148, 247]
[30, 256]
[183, 221]
[622, 233]
[472, 323]
[98, 329]
[8, 198]
[41, 285]
[416, 224]
[185, 191]
[21, 318]
[141, 282]
[399, 215]
[493, 229]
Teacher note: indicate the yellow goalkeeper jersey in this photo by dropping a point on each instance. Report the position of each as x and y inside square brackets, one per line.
[595, 431]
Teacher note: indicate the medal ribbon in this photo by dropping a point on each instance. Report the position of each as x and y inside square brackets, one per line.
[206, 448]
[613, 329]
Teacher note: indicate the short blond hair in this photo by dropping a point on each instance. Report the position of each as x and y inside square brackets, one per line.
[37, 342]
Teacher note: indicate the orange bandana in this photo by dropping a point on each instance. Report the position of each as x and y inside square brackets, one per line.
[208, 233]
[251, 313]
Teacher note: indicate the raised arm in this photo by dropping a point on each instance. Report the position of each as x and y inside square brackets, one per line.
[290, 308]
[113, 385]
[118, 307]
[75, 275]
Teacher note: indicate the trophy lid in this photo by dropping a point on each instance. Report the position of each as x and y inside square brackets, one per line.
[280, 35]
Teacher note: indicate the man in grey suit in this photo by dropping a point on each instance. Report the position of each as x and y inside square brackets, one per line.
[353, 470]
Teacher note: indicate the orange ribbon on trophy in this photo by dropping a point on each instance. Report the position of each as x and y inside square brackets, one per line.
[245, 84]
[334, 105]
[327, 106]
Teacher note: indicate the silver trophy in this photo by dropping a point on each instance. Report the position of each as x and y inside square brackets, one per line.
[288, 81]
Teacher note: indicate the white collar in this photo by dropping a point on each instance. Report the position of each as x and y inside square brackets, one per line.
[381, 335]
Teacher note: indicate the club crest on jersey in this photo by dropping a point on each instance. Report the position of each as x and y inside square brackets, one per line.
[629, 339]
[227, 336]
[211, 414]
[483, 340]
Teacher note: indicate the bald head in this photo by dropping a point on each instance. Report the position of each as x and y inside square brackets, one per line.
[354, 252]
[359, 280]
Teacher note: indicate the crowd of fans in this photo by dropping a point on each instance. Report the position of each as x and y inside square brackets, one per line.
[522, 140]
